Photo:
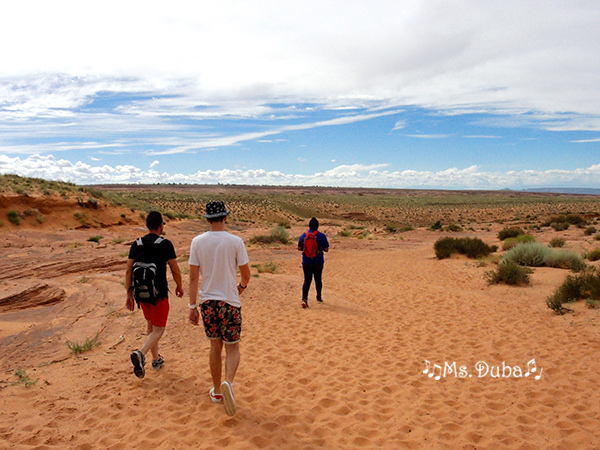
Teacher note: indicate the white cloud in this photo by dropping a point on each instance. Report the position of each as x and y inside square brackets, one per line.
[357, 175]
[154, 164]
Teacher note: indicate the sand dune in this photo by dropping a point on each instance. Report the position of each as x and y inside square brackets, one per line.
[347, 373]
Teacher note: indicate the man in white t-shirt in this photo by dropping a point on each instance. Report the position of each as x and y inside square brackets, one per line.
[215, 257]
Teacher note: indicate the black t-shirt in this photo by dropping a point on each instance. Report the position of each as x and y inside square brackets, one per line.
[159, 254]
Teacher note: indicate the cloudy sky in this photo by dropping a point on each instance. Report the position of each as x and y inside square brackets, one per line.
[379, 93]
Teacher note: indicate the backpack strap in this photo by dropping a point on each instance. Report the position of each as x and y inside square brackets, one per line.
[139, 241]
[159, 240]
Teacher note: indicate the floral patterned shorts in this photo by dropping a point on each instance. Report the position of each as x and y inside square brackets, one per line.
[222, 321]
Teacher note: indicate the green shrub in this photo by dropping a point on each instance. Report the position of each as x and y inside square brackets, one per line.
[589, 231]
[557, 242]
[534, 254]
[597, 237]
[508, 272]
[593, 255]
[436, 226]
[509, 233]
[344, 233]
[94, 239]
[268, 267]
[585, 285]
[514, 241]
[454, 228]
[565, 259]
[13, 217]
[559, 226]
[89, 344]
[471, 247]
[591, 303]
[280, 234]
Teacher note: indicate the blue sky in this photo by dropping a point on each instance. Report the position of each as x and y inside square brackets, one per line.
[397, 94]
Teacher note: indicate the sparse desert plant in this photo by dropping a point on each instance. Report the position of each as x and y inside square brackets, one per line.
[13, 217]
[280, 234]
[390, 228]
[78, 348]
[454, 228]
[268, 267]
[591, 303]
[364, 234]
[509, 233]
[597, 237]
[559, 226]
[508, 272]
[593, 255]
[585, 285]
[557, 242]
[436, 226]
[534, 254]
[514, 241]
[344, 233]
[285, 223]
[23, 378]
[589, 231]
[471, 247]
[95, 239]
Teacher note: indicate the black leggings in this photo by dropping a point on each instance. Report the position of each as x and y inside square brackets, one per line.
[311, 270]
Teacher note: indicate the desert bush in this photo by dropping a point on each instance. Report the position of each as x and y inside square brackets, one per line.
[585, 285]
[597, 237]
[557, 242]
[514, 241]
[508, 272]
[591, 303]
[565, 259]
[471, 247]
[559, 226]
[89, 344]
[23, 378]
[593, 255]
[94, 239]
[454, 228]
[534, 254]
[344, 233]
[278, 234]
[589, 231]
[13, 217]
[390, 228]
[285, 223]
[436, 226]
[509, 233]
[268, 267]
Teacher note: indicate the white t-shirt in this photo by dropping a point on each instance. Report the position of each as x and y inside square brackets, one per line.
[218, 254]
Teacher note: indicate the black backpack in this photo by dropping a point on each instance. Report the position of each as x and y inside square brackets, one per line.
[144, 274]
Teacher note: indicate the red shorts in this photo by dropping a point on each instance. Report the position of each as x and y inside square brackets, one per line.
[156, 314]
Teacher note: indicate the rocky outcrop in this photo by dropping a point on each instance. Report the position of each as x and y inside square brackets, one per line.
[38, 295]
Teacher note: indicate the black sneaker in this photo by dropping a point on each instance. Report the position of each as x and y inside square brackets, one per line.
[319, 299]
[158, 363]
[138, 360]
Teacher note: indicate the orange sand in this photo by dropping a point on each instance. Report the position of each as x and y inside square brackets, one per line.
[344, 374]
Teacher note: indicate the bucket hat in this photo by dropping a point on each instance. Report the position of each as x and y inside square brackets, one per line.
[215, 209]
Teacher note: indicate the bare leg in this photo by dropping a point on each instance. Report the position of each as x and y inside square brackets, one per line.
[232, 360]
[151, 344]
[216, 347]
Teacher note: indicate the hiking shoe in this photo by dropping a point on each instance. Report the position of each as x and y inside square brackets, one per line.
[138, 360]
[319, 299]
[228, 398]
[304, 304]
[216, 398]
[158, 363]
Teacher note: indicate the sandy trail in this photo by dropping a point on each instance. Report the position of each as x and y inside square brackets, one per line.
[347, 373]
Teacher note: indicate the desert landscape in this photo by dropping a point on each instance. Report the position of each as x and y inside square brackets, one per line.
[407, 350]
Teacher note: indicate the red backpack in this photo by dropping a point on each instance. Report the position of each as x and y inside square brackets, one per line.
[310, 244]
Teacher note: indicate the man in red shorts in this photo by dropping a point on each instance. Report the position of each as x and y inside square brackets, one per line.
[215, 257]
[161, 252]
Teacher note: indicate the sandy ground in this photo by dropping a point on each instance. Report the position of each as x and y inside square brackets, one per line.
[348, 373]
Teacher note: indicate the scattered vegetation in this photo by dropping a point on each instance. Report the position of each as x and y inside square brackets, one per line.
[514, 241]
[589, 231]
[13, 217]
[23, 378]
[471, 247]
[278, 234]
[585, 285]
[534, 254]
[557, 242]
[508, 272]
[95, 239]
[593, 255]
[77, 348]
[509, 233]
[268, 267]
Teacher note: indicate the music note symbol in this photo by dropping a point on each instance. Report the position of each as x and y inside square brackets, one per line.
[537, 377]
[529, 364]
[428, 366]
[432, 374]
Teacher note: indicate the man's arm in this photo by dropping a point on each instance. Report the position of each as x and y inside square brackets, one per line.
[245, 278]
[194, 279]
[129, 303]
[176, 276]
